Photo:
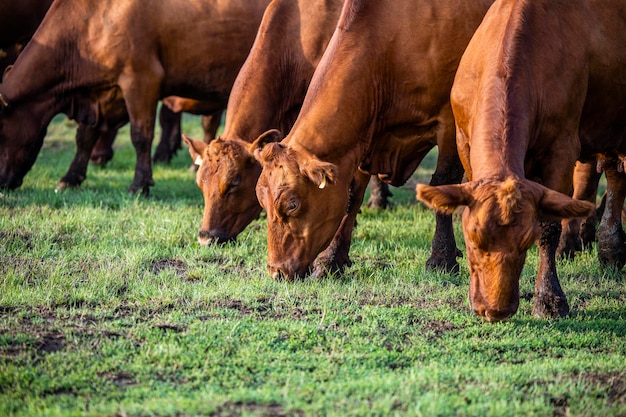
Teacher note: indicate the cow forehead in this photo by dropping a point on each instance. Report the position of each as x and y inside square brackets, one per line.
[504, 202]
[282, 183]
[223, 157]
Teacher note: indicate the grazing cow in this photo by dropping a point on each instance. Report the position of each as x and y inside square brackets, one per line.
[145, 51]
[267, 93]
[541, 84]
[377, 103]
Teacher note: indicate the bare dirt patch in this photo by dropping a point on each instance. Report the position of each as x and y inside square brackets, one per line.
[612, 383]
[438, 328]
[51, 342]
[234, 409]
[12, 237]
[176, 265]
[170, 327]
[265, 308]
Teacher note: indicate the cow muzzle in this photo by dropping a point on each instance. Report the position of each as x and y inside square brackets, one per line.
[287, 272]
[208, 237]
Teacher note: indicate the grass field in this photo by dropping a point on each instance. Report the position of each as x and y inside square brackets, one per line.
[109, 307]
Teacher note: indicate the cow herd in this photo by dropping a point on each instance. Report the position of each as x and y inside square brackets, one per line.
[322, 94]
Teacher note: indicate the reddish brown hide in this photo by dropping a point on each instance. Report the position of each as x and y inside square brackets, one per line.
[106, 45]
[378, 102]
[540, 85]
[267, 93]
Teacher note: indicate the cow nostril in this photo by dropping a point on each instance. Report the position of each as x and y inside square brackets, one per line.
[208, 237]
[277, 273]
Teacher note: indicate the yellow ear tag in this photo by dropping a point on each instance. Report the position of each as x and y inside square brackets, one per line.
[323, 184]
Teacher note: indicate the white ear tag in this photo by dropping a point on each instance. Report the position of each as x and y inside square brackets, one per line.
[198, 161]
[323, 184]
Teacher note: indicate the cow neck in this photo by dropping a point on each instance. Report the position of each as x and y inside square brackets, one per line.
[337, 120]
[272, 83]
[261, 101]
[492, 159]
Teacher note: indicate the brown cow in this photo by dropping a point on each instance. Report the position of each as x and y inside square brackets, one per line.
[541, 84]
[144, 51]
[267, 93]
[378, 102]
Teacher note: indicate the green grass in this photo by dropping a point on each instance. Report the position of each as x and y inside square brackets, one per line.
[109, 307]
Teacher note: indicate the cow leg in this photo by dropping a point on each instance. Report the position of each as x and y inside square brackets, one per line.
[142, 142]
[611, 236]
[170, 135]
[335, 257]
[210, 124]
[103, 150]
[549, 301]
[580, 233]
[443, 250]
[86, 138]
[379, 194]
[141, 94]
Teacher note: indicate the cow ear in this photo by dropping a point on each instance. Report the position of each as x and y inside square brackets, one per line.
[559, 206]
[319, 172]
[7, 69]
[257, 146]
[196, 149]
[445, 198]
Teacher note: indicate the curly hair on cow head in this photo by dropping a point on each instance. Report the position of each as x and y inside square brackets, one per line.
[508, 196]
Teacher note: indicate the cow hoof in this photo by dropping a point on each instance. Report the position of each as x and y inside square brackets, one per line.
[568, 246]
[162, 157]
[145, 190]
[545, 307]
[612, 261]
[377, 203]
[100, 160]
[322, 267]
[61, 186]
[66, 183]
[612, 250]
[438, 266]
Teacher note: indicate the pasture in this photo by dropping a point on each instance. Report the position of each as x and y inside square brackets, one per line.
[109, 307]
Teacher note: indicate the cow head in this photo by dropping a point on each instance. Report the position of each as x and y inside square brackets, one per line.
[227, 175]
[21, 138]
[304, 204]
[500, 223]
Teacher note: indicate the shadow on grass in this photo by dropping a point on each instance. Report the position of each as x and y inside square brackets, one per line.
[584, 321]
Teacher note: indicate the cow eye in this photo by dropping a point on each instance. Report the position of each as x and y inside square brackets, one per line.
[233, 184]
[292, 206]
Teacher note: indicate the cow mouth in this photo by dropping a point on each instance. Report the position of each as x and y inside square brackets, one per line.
[10, 183]
[209, 237]
[494, 316]
[281, 273]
